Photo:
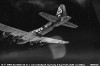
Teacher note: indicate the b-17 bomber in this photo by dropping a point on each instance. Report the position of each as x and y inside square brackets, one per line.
[22, 37]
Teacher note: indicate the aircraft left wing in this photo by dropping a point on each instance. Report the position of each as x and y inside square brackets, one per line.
[11, 30]
[49, 17]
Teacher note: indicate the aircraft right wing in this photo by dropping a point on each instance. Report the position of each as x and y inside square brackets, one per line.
[11, 30]
[49, 40]
[49, 17]
[69, 24]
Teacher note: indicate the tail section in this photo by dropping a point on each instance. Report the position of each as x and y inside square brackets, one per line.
[61, 11]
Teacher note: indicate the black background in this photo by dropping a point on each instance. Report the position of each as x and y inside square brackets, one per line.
[84, 40]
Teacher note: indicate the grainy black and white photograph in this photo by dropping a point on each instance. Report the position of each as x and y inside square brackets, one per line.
[50, 31]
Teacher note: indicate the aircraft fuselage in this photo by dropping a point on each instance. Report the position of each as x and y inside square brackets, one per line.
[45, 29]
[51, 25]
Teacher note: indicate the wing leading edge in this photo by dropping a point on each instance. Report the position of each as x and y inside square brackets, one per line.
[13, 31]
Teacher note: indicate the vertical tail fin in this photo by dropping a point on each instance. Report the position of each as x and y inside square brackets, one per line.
[61, 11]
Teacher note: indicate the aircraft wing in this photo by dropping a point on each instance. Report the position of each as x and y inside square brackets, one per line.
[69, 24]
[13, 31]
[49, 40]
[49, 17]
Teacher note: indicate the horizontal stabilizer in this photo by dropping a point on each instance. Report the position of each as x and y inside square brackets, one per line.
[69, 24]
[49, 17]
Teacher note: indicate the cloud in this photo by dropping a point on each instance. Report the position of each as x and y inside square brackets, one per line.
[43, 3]
[37, 2]
[82, 3]
[57, 50]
